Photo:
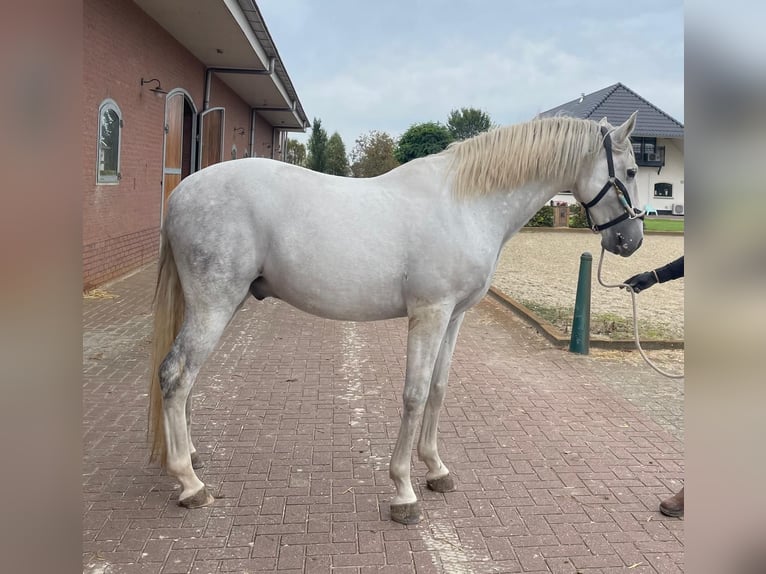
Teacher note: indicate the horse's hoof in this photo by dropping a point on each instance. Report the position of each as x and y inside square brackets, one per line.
[196, 461]
[408, 513]
[198, 500]
[441, 484]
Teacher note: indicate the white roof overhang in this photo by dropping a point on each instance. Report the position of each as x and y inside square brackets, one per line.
[231, 39]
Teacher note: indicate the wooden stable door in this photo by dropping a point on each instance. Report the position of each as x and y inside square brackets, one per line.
[211, 137]
[179, 142]
[174, 143]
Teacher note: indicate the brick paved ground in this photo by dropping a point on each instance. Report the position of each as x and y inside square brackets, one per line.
[560, 459]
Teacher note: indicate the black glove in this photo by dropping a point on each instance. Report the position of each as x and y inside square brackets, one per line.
[642, 281]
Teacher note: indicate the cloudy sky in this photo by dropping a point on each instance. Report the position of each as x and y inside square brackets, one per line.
[361, 65]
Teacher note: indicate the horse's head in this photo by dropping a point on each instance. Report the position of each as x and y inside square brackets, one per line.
[606, 188]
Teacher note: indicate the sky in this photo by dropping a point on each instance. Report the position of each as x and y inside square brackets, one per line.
[362, 65]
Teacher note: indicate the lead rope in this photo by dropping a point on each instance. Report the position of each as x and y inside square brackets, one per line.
[635, 321]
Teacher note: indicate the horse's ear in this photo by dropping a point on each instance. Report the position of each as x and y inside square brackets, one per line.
[603, 122]
[622, 133]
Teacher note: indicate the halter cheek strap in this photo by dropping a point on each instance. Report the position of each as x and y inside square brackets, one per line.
[622, 191]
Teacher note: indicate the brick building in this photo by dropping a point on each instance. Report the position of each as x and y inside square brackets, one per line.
[169, 86]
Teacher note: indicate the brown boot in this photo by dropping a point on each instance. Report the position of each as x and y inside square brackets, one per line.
[673, 506]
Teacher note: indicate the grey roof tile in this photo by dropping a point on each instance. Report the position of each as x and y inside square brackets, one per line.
[617, 102]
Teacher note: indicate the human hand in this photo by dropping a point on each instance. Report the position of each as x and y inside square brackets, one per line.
[641, 281]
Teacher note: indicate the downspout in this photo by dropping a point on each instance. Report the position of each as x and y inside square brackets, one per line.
[252, 132]
[208, 81]
[273, 142]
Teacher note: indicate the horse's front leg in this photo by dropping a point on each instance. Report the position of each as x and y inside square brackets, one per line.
[438, 477]
[426, 331]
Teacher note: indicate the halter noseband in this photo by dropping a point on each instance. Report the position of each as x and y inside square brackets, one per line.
[622, 192]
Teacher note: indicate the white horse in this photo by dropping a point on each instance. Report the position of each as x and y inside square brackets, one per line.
[421, 241]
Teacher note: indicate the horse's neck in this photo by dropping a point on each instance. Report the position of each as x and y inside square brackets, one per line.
[507, 212]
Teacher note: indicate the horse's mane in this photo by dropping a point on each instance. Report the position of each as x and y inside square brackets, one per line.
[507, 157]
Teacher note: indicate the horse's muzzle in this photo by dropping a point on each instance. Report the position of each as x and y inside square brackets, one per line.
[626, 247]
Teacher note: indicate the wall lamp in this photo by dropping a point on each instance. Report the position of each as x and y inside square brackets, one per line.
[156, 89]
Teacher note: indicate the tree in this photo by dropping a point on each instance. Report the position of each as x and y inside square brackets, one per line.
[467, 122]
[296, 153]
[337, 162]
[373, 154]
[317, 147]
[421, 140]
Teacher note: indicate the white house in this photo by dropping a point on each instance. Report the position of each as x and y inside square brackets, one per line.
[658, 142]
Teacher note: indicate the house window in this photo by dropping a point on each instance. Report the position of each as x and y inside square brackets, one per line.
[663, 190]
[109, 130]
[647, 152]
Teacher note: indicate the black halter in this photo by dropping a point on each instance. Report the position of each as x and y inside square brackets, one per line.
[622, 191]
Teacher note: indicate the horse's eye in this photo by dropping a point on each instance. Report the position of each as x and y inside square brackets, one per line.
[631, 173]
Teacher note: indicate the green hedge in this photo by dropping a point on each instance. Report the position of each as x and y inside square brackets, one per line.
[577, 216]
[543, 218]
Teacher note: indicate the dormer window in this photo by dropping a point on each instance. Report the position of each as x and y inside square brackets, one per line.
[647, 152]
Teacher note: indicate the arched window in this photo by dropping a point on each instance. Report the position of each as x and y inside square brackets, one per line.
[108, 152]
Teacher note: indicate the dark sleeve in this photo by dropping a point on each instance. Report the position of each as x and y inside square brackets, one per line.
[672, 270]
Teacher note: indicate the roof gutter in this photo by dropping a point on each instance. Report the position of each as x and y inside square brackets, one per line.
[239, 16]
[293, 107]
[241, 19]
[209, 76]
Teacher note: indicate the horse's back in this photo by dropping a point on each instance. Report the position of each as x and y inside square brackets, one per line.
[327, 245]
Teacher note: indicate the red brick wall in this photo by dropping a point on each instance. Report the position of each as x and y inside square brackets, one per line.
[122, 44]
[263, 137]
[237, 115]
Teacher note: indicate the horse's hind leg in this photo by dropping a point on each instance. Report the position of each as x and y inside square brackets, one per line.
[438, 477]
[195, 458]
[426, 331]
[198, 336]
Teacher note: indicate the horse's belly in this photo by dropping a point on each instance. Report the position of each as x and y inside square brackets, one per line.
[347, 302]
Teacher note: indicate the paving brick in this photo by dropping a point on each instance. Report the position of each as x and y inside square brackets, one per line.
[389, 569]
[291, 557]
[249, 565]
[265, 545]
[296, 418]
[206, 567]
[318, 565]
[398, 552]
[178, 561]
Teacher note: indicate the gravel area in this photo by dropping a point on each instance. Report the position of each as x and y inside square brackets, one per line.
[542, 267]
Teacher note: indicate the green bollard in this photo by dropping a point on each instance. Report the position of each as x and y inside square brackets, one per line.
[579, 342]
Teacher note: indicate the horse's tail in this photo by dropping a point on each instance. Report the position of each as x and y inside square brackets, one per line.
[168, 316]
